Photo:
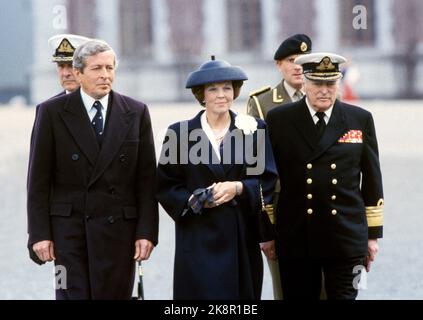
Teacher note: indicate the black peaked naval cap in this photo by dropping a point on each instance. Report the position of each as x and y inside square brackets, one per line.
[297, 44]
[215, 71]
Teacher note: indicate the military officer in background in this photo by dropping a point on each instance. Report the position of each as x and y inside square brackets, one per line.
[265, 99]
[290, 88]
[64, 45]
[330, 210]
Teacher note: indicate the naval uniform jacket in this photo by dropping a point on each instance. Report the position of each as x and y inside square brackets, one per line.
[93, 202]
[35, 120]
[217, 254]
[36, 113]
[331, 198]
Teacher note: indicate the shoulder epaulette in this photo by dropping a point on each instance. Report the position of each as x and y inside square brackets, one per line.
[259, 91]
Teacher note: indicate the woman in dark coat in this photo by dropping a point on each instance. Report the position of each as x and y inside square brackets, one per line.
[209, 177]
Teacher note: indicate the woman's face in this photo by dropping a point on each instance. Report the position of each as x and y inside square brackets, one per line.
[218, 97]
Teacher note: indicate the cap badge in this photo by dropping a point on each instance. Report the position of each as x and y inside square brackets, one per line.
[325, 65]
[303, 47]
[65, 47]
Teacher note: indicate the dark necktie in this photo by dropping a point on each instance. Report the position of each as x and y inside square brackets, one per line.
[98, 122]
[321, 124]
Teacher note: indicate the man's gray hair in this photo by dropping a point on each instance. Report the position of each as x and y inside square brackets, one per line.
[88, 49]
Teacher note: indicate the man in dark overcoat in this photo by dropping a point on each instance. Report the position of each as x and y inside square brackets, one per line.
[91, 207]
[330, 210]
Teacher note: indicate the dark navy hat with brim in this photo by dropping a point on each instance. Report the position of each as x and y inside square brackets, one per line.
[297, 44]
[215, 71]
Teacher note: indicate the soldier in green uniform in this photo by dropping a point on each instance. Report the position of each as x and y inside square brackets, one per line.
[290, 88]
[265, 99]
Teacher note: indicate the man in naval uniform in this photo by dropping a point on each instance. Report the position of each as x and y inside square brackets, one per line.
[265, 99]
[330, 210]
[64, 46]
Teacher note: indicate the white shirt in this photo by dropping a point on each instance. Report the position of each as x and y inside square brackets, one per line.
[313, 112]
[209, 132]
[88, 103]
[291, 91]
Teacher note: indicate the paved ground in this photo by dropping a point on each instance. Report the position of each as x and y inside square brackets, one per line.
[397, 273]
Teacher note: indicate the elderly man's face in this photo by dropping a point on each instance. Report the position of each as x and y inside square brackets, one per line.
[291, 72]
[66, 77]
[321, 94]
[97, 77]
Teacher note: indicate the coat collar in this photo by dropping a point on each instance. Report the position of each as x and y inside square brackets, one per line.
[77, 121]
[220, 171]
[304, 123]
[280, 95]
[195, 123]
[119, 122]
[335, 128]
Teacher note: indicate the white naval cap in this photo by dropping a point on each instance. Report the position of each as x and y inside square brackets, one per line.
[64, 46]
[323, 66]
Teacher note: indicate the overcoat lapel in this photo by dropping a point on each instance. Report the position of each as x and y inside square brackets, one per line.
[227, 167]
[305, 125]
[214, 166]
[118, 123]
[336, 127]
[78, 123]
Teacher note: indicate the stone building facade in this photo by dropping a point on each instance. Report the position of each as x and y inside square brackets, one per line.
[159, 41]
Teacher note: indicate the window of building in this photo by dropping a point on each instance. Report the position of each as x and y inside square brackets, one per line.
[244, 25]
[352, 20]
[81, 17]
[136, 34]
[296, 16]
[185, 20]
